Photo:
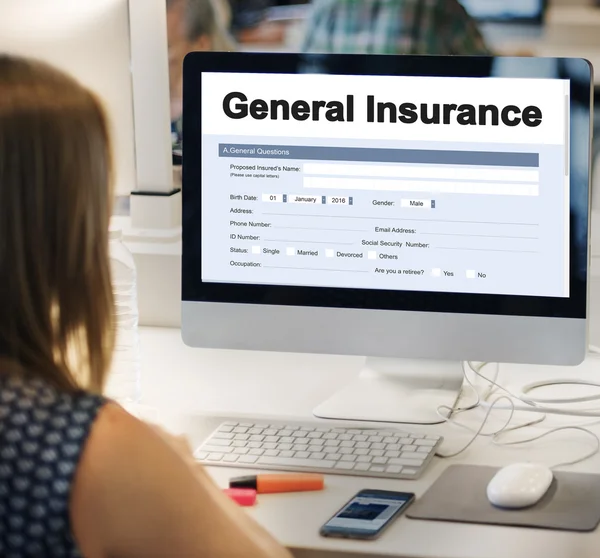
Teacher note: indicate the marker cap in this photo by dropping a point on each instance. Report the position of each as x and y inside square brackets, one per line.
[242, 496]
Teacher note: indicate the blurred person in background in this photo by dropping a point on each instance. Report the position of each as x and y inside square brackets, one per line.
[250, 25]
[392, 27]
[192, 25]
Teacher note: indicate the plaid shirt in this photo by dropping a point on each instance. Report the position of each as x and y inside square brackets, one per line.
[392, 27]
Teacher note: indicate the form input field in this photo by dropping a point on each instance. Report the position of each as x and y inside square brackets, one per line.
[484, 173]
[429, 186]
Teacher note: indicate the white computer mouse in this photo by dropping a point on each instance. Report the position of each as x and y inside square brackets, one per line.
[519, 485]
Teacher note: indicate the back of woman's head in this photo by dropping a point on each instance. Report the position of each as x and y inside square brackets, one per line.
[55, 203]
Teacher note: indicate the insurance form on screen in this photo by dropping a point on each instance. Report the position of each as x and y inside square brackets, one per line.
[387, 183]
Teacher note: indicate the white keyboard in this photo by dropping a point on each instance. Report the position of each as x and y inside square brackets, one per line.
[296, 447]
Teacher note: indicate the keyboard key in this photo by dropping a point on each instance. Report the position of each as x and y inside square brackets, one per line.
[330, 436]
[378, 460]
[248, 459]
[376, 453]
[287, 439]
[332, 443]
[215, 457]
[307, 428]
[426, 442]
[364, 459]
[291, 462]
[424, 449]
[241, 451]
[256, 438]
[392, 454]
[239, 444]
[272, 453]
[240, 430]
[255, 430]
[317, 455]
[346, 451]
[344, 437]
[316, 442]
[299, 434]
[231, 458]
[412, 455]
[217, 442]
[410, 472]
[216, 449]
[302, 454]
[390, 440]
[270, 432]
[393, 447]
[409, 448]
[256, 452]
[284, 432]
[347, 444]
[254, 445]
[362, 467]
[286, 454]
[301, 447]
[344, 465]
[315, 434]
[394, 469]
[361, 451]
[375, 439]
[406, 441]
[201, 455]
[353, 431]
[377, 469]
[226, 428]
[284, 447]
[362, 445]
[333, 456]
[406, 462]
[349, 458]
[323, 429]
[359, 438]
[242, 437]
[271, 445]
[223, 436]
[378, 446]
[271, 438]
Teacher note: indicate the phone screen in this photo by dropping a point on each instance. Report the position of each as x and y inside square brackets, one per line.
[367, 513]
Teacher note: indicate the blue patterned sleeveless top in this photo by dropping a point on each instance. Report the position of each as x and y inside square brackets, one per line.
[42, 434]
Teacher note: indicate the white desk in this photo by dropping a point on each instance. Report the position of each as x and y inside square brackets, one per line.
[182, 381]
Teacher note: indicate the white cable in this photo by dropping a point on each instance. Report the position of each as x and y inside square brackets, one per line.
[554, 431]
[450, 411]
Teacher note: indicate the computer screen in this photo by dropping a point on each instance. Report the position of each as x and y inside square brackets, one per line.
[381, 183]
[506, 10]
[367, 202]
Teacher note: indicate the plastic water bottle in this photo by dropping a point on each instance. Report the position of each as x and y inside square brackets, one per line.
[124, 381]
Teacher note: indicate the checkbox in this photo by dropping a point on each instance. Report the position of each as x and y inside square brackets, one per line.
[256, 249]
[470, 274]
[329, 253]
[372, 255]
[436, 272]
[290, 251]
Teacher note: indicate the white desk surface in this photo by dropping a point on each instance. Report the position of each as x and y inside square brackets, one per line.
[184, 383]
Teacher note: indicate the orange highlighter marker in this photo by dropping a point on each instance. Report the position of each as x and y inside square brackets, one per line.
[271, 484]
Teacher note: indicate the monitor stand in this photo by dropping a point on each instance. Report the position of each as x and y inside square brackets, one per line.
[398, 391]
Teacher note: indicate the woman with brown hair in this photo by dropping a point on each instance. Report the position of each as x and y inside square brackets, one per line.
[78, 475]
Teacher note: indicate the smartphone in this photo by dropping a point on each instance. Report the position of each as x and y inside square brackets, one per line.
[367, 514]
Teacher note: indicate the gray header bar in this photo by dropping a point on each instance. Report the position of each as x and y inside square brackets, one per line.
[377, 155]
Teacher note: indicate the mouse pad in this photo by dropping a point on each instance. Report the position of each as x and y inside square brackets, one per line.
[571, 504]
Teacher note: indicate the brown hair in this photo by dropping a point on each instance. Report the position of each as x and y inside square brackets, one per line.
[56, 303]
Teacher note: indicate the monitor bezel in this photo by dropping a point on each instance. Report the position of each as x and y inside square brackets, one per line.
[195, 290]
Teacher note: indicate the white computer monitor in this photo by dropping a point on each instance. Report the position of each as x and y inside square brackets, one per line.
[420, 211]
